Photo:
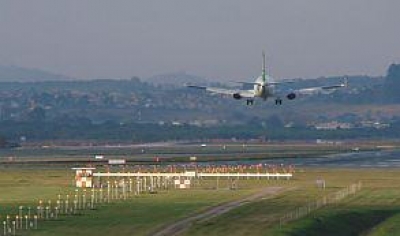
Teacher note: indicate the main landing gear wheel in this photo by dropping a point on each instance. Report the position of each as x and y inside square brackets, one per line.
[278, 101]
[250, 102]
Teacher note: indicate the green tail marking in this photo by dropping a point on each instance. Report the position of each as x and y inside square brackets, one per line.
[263, 68]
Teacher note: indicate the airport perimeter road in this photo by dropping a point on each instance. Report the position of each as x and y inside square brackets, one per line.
[184, 224]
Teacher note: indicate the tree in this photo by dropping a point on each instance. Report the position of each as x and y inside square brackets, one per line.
[37, 114]
[274, 121]
[392, 83]
[3, 142]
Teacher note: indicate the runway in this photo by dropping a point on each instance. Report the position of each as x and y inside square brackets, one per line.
[368, 159]
[276, 155]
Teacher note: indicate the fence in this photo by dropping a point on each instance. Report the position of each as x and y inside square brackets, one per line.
[327, 200]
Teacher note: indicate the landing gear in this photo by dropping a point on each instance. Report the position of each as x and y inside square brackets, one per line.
[249, 102]
[278, 101]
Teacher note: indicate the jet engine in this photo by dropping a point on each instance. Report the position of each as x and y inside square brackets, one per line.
[291, 96]
[237, 96]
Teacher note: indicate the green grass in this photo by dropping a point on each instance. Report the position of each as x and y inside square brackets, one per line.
[27, 186]
[377, 202]
[390, 227]
[138, 216]
[376, 206]
[375, 210]
[333, 222]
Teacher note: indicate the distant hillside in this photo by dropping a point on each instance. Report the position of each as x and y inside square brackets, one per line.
[177, 79]
[20, 74]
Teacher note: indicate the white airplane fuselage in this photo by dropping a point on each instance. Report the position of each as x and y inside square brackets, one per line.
[263, 89]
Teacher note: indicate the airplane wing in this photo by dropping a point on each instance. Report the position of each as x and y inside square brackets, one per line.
[313, 90]
[329, 88]
[214, 90]
[235, 93]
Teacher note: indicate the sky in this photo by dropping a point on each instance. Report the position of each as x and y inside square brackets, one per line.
[217, 39]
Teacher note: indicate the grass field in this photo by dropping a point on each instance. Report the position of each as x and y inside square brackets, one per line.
[375, 210]
[139, 215]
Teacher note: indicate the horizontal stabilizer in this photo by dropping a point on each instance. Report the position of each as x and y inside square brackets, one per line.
[247, 83]
[269, 83]
[196, 86]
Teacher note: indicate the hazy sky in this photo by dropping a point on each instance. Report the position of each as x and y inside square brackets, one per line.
[220, 39]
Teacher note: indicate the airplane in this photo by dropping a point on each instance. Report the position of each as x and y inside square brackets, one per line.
[264, 88]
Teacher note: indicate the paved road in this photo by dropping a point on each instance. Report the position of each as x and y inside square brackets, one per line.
[182, 225]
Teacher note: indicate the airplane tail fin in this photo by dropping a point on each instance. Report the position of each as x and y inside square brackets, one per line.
[345, 82]
[263, 68]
